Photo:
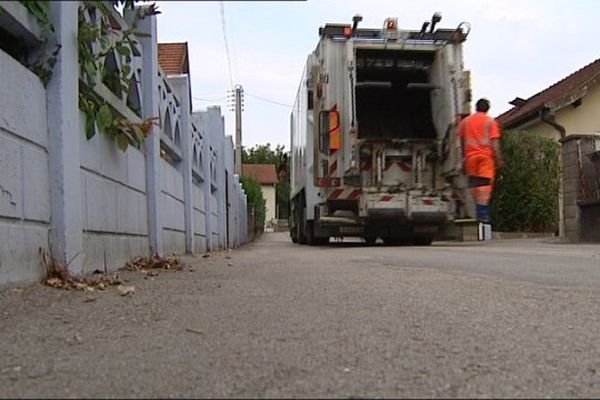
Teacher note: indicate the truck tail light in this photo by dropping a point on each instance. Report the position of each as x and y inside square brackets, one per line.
[391, 24]
[334, 130]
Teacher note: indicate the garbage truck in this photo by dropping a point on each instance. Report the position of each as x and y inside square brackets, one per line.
[374, 149]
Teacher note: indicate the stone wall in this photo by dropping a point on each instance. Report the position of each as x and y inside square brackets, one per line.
[581, 187]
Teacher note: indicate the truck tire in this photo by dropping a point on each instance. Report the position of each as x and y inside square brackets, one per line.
[370, 240]
[423, 241]
[322, 241]
[311, 240]
[301, 227]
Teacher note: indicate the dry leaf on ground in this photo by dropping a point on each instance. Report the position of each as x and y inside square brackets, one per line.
[143, 264]
[126, 290]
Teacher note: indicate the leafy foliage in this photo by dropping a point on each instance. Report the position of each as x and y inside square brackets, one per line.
[111, 40]
[255, 199]
[43, 64]
[264, 154]
[526, 194]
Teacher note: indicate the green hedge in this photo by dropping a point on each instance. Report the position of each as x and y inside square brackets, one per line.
[255, 199]
[525, 198]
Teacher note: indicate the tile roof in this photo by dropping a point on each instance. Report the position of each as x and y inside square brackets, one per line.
[264, 173]
[173, 58]
[562, 93]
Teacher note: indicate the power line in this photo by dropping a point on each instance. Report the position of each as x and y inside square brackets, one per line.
[204, 99]
[223, 26]
[233, 49]
[268, 100]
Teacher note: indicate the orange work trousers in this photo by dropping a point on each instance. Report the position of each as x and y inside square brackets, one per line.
[481, 165]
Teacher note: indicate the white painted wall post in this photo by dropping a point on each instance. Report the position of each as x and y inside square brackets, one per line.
[181, 87]
[63, 133]
[150, 109]
[206, 191]
[221, 188]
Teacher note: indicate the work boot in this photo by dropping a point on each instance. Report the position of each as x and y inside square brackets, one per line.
[483, 212]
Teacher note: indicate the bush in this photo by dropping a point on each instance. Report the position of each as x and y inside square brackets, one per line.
[525, 198]
[255, 199]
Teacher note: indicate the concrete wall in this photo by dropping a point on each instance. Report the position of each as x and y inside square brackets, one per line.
[24, 179]
[113, 187]
[88, 202]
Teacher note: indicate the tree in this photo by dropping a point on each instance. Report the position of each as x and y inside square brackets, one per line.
[264, 154]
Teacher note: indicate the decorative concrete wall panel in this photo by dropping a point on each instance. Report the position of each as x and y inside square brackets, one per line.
[11, 178]
[101, 203]
[172, 182]
[198, 198]
[174, 242]
[112, 161]
[128, 218]
[172, 212]
[22, 102]
[199, 222]
[36, 190]
[200, 243]
[136, 170]
[19, 255]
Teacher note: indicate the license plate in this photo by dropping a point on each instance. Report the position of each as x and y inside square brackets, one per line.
[351, 229]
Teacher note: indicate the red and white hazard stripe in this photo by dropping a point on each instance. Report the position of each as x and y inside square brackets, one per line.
[345, 194]
[404, 166]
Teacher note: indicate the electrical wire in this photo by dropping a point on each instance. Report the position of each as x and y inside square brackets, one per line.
[236, 72]
[224, 28]
[268, 100]
[204, 99]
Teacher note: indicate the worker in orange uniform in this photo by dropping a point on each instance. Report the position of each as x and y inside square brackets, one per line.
[482, 156]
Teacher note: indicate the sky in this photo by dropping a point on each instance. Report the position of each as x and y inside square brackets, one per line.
[515, 48]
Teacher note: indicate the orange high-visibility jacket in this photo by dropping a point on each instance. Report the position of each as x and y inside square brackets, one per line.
[477, 131]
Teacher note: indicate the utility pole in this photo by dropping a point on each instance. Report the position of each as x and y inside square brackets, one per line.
[239, 107]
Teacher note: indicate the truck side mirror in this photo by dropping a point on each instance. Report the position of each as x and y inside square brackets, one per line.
[329, 130]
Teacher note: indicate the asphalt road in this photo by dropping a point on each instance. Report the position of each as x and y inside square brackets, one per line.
[505, 318]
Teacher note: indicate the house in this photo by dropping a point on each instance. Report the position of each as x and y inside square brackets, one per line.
[569, 106]
[568, 112]
[174, 59]
[267, 177]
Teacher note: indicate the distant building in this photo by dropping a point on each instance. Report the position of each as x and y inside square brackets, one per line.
[570, 106]
[267, 177]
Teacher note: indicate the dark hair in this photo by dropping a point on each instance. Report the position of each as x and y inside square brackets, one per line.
[482, 105]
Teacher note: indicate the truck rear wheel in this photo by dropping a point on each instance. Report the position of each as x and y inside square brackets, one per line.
[422, 241]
